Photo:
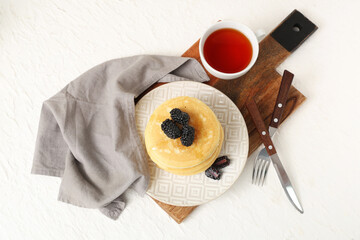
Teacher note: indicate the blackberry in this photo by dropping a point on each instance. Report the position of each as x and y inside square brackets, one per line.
[180, 117]
[213, 173]
[171, 129]
[175, 112]
[221, 162]
[188, 135]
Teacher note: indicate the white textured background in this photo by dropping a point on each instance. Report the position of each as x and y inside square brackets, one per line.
[46, 44]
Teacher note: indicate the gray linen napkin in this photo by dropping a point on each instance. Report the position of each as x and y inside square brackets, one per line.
[87, 133]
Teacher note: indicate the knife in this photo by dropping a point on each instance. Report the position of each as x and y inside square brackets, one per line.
[277, 113]
[280, 101]
[270, 148]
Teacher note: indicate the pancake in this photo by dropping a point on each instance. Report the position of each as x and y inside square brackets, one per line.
[170, 152]
[198, 168]
[176, 165]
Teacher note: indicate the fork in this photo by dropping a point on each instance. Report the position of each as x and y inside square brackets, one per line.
[261, 167]
[262, 161]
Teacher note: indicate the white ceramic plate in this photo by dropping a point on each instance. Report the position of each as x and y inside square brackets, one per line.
[196, 189]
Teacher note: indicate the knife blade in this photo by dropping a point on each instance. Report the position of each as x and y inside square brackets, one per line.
[277, 112]
[270, 148]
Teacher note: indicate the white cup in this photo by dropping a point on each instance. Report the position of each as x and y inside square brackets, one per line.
[244, 30]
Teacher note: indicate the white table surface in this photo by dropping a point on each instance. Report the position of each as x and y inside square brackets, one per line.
[46, 44]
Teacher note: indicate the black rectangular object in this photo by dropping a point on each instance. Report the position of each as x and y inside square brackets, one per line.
[293, 31]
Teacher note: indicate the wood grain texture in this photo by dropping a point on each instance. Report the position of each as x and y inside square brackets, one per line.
[260, 126]
[177, 213]
[281, 98]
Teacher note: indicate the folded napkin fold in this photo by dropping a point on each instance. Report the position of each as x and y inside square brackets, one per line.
[87, 133]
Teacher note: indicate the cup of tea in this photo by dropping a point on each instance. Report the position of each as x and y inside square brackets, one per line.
[229, 49]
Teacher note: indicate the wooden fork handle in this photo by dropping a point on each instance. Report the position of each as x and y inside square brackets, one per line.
[260, 126]
[281, 98]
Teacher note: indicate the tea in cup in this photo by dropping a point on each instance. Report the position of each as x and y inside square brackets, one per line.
[228, 49]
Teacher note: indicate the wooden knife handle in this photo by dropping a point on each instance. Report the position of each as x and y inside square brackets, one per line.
[281, 98]
[260, 126]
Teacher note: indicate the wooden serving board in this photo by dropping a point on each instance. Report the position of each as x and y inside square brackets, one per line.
[261, 82]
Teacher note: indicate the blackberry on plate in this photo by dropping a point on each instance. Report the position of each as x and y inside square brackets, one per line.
[213, 173]
[180, 117]
[188, 135]
[221, 162]
[171, 129]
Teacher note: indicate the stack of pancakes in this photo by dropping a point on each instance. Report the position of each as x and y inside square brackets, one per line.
[170, 154]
